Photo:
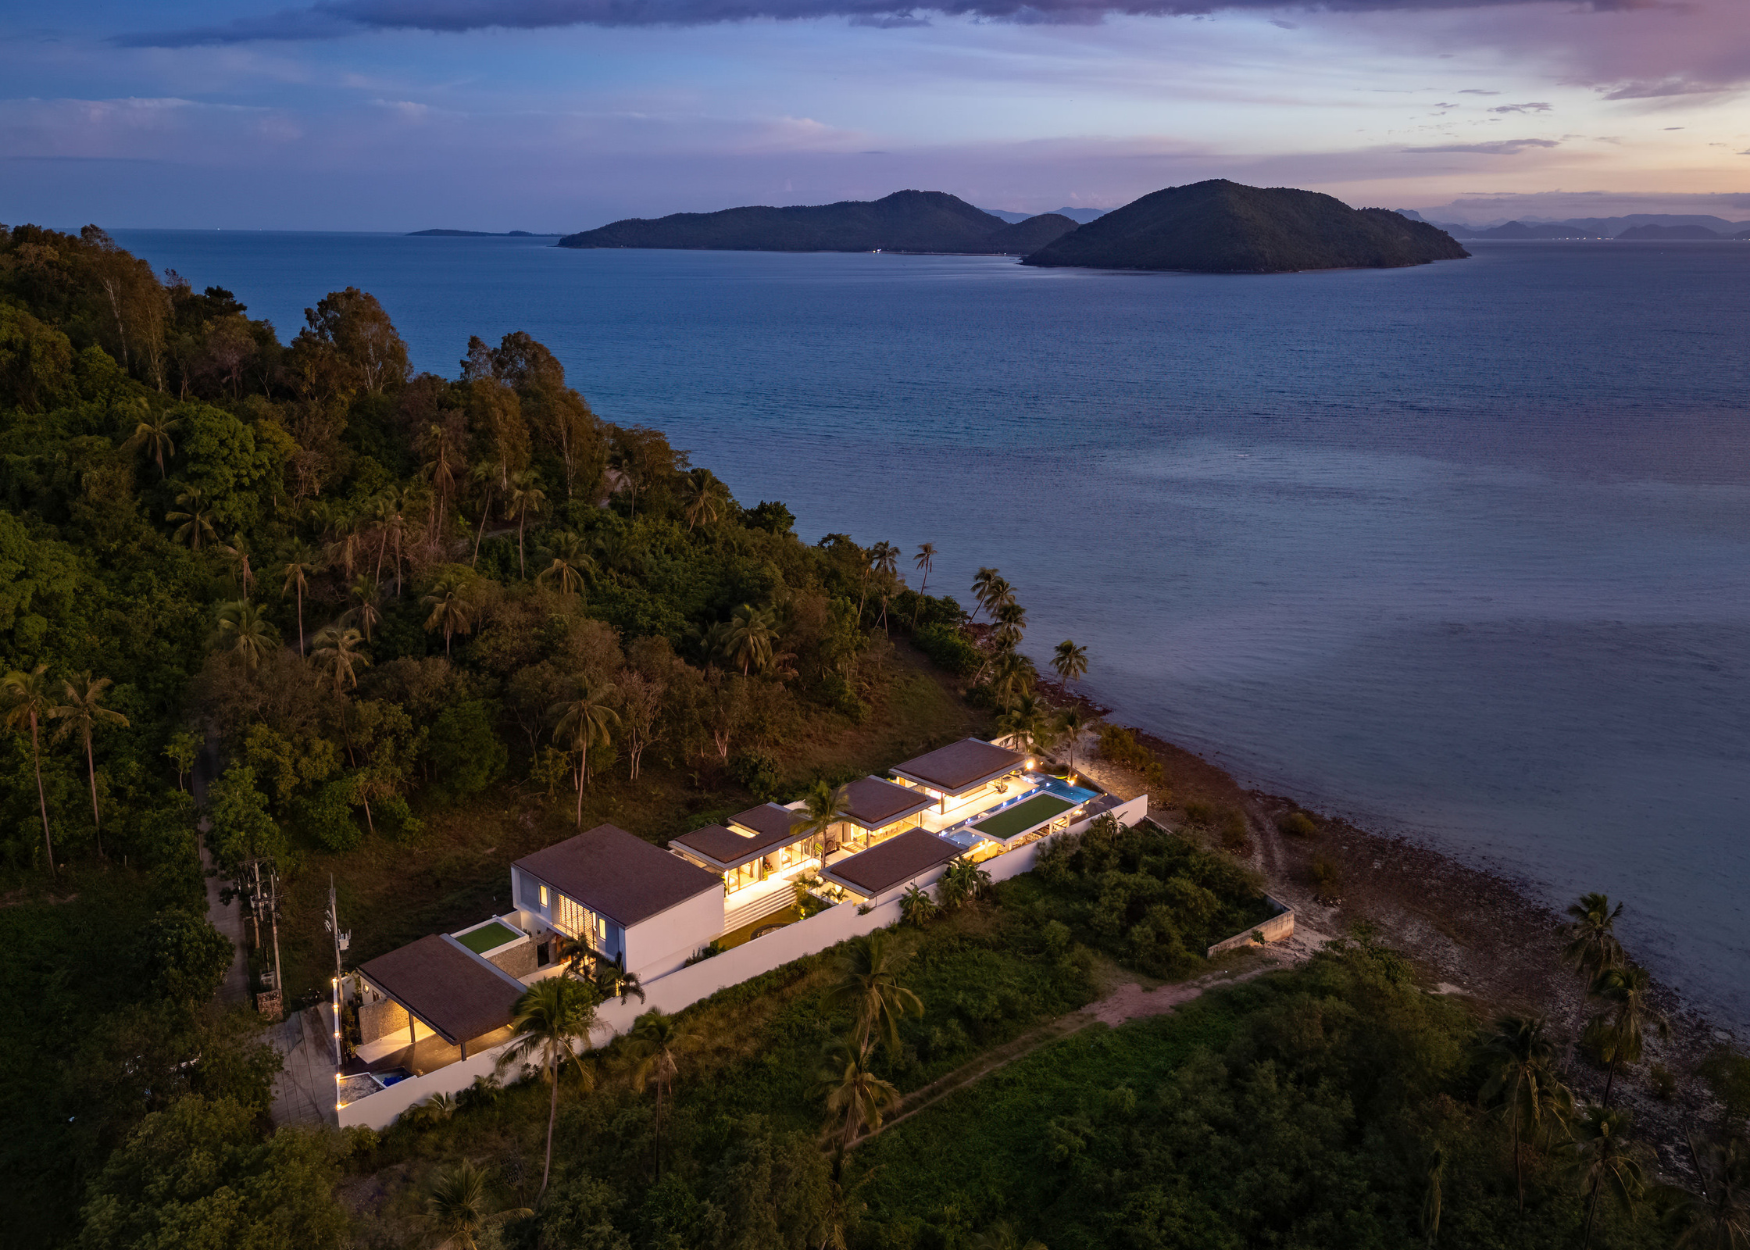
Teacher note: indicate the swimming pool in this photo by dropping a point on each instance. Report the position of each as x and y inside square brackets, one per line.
[1063, 790]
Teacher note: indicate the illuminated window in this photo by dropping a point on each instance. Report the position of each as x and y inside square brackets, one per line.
[571, 919]
[544, 902]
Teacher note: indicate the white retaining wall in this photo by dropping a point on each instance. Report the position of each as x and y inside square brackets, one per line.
[685, 986]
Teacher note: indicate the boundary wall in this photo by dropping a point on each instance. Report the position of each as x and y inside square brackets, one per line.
[1276, 929]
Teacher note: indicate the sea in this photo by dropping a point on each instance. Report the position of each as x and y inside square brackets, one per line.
[1460, 552]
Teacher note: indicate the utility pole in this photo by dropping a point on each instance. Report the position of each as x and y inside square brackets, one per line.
[273, 913]
[341, 942]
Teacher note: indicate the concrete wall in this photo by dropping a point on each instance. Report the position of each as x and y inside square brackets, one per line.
[657, 946]
[1275, 929]
[685, 986]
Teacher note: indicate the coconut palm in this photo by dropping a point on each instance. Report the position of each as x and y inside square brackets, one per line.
[1011, 619]
[153, 434]
[192, 517]
[1717, 1215]
[486, 478]
[822, 808]
[452, 608]
[81, 714]
[1072, 723]
[245, 631]
[611, 980]
[28, 703]
[364, 611]
[703, 496]
[457, 1204]
[1619, 1031]
[551, 1023]
[336, 652]
[526, 498]
[868, 983]
[981, 584]
[1011, 676]
[581, 722]
[854, 1094]
[237, 551]
[656, 1043]
[440, 470]
[748, 639]
[1592, 945]
[925, 560]
[297, 572]
[962, 882]
[1523, 1083]
[571, 562]
[916, 908]
[1069, 662]
[1029, 721]
[1603, 1162]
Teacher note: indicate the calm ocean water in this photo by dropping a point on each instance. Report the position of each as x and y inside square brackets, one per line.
[1460, 551]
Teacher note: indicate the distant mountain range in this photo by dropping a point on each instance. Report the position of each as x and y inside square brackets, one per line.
[1643, 226]
[483, 234]
[906, 221]
[1081, 216]
[1223, 227]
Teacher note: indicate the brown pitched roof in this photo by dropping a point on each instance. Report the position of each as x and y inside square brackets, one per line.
[617, 874]
[893, 862]
[438, 980]
[961, 766]
[768, 819]
[730, 847]
[873, 803]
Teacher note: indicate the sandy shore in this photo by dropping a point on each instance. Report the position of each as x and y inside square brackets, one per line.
[1470, 932]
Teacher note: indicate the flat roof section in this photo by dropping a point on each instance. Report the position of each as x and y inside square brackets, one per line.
[767, 819]
[1013, 821]
[729, 848]
[618, 874]
[875, 804]
[892, 863]
[961, 766]
[458, 995]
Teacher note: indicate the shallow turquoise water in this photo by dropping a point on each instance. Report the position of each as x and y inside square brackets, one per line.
[1462, 551]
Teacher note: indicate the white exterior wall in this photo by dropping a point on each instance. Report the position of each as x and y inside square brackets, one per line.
[659, 945]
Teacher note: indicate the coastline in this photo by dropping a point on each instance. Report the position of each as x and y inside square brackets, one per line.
[1468, 931]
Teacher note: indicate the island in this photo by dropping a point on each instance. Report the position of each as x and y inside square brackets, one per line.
[478, 234]
[1224, 227]
[906, 221]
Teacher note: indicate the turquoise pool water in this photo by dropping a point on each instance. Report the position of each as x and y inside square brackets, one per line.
[1063, 790]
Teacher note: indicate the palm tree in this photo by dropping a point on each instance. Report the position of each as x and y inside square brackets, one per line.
[916, 908]
[336, 653]
[981, 584]
[82, 713]
[1603, 1161]
[1069, 662]
[868, 983]
[1072, 723]
[552, 1019]
[440, 469]
[884, 559]
[196, 519]
[582, 722]
[1619, 1031]
[28, 703]
[1011, 619]
[657, 1042]
[611, 980]
[704, 496]
[153, 433]
[526, 496]
[297, 574]
[485, 475]
[452, 609]
[238, 552]
[749, 638]
[364, 608]
[571, 561]
[853, 1093]
[926, 561]
[1718, 1216]
[243, 630]
[1011, 676]
[962, 882]
[1523, 1082]
[1029, 722]
[1593, 946]
[823, 807]
[456, 1207]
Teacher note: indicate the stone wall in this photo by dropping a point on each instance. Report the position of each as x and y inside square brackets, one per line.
[1275, 929]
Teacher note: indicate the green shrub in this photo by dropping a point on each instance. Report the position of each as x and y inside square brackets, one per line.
[466, 755]
[327, 816]
[1298, 825]
[186, 956]
[949, 649]
[1327, 880]
[756, 771]
[1234, 830]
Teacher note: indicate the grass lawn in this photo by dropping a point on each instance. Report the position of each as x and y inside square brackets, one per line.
[488, 938]
[1035, 811]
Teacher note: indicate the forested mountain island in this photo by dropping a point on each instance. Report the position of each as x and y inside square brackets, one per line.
[906, 221]
[395, 631]
[1223, 227]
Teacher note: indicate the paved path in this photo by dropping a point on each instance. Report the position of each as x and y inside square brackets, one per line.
[303, 1092]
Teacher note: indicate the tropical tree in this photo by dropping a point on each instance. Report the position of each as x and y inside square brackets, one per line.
[452, 608]
[244, 630]
[1716, 1215]
[440, 471]
[1072, 723]
[364, 611]
[192, 517]
[28, 704]
[297, 572]
[550, 1025]
[237, 551]
[822, 808]
[916, 908]
[925, 560]
[457, 1205]
[703, 494]
[611, 980]
[656, 1043]
[1011, 619]
[749, 637]
[153, 434]
[571, 562]
[526, 497]
[1603, 1163]
[962, 882]
[1011, 676]
[486, 478]
[884, 559]
[1618, 1033]
[868, 983]
[855, 1096]
[581, 722]
[1002, 1236]
[1592, 945]
[1030, 722]
[1069, 662]
[1523, 1084]
[81, 714]
[337, 653]
[981, 584]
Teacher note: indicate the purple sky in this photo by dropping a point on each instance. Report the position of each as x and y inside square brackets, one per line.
[564, 114]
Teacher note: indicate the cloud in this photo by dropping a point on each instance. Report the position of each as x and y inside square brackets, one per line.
[332, 19]
[1537, 106]
[1477, 91]
[1502, 147]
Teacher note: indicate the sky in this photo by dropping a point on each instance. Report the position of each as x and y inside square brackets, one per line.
[559, 115]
